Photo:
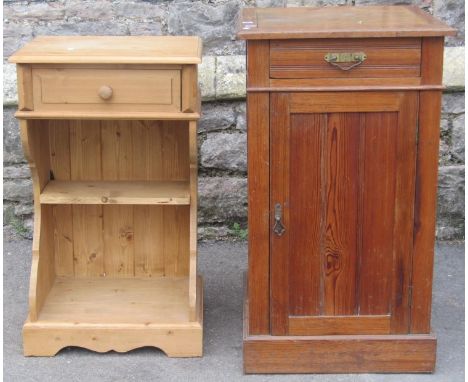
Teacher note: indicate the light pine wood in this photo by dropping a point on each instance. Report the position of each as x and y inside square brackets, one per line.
[99, 115]
[193, 159]
[351, 158]
[339, 22]
[111, 50]
[75, 90]
[112, 146]
[24, 81]
[129, 328]
[116, 192]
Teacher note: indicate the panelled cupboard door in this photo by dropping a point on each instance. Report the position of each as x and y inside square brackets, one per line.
[342, 193]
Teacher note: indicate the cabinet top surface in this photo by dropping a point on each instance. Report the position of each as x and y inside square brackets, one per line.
[111, 50]
[339, 22]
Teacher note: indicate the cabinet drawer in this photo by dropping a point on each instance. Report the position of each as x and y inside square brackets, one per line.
[385, 57]
[95, 89]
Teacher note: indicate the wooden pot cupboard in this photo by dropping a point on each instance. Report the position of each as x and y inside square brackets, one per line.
[108, 125]
[343, 109]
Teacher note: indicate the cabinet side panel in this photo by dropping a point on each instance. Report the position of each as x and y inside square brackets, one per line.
[404, 211]
[305, 213]
[425, 210]
[341, 163]
[426, 186]
[175, 135]
[378, 204]
[258, 212]
[176, 240]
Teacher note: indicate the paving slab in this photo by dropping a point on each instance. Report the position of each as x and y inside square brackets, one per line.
[223, 265]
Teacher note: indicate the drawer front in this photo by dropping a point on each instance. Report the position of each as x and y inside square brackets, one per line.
[75, 89]
[385, 57]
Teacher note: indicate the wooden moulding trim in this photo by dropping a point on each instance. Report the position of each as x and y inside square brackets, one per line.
[100, 116]
[337, 353]
[344, 88]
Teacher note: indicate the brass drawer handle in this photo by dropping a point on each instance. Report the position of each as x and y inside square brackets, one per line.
[336, 59]
[105, 92]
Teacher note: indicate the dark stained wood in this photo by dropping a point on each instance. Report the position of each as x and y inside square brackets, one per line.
[279, 194]
[258, 138]
[385, 58]
[339, 22]
[404, 211]
[378, 180]
[328, 325]
[425, 211]
[305, 213]
[432, 60]
[340, 354]
[340, 163]
[351, 157]
[258, 63]
[426, 187]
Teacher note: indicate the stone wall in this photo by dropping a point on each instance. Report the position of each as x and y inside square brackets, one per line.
[222, 129]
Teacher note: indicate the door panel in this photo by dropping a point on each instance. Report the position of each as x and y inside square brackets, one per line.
[342, 170]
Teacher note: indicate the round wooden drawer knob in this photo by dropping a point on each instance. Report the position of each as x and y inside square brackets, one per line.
[105, 92]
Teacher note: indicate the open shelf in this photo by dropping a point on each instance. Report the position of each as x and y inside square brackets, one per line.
[147, 301]
[116, 192]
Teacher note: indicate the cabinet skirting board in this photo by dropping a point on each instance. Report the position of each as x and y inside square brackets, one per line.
[175, 339]
[409, 353]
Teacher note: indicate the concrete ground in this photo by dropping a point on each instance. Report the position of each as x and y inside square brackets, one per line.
[222, 265]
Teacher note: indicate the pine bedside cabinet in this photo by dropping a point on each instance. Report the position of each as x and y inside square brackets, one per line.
[108, 125]
[343, 128]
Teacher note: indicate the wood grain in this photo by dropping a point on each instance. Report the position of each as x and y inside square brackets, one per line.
[330, 22]
[280, 130]
[378, 182]
[344, 354]
[335, 325]
[116, 192]
[340, 194]
[384, 58]
[305, 213]
[111, 50]
[75, 90]
[258, 146]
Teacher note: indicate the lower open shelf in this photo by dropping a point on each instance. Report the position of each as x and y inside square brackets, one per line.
[117, 314]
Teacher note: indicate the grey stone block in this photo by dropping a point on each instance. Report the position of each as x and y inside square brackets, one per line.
[12, 150]
[89, 9]
[453, 13]
[19, 190]
[316, 3]
[453, 103]
[216, 116]
[84, 27]
[222, 200]
[230, 77]
[458, 138]
[451, 203]
[214, 23]
[16, 172]
[225, 151]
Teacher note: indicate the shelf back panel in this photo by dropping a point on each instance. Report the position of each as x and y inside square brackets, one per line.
[115, 241]
[118, 150]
